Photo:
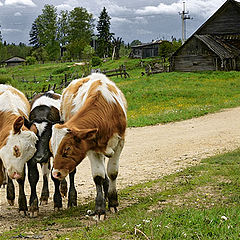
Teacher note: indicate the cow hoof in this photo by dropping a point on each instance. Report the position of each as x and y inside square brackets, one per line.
[44, 202]
[34, 214]
[11, 202]
[113, 209]
[99, 218]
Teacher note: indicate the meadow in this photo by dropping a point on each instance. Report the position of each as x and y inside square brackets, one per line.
[159, 98]
[201, 202]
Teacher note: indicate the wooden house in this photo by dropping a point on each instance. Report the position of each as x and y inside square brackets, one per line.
[215, 45]
[13, 61]
[146, 50]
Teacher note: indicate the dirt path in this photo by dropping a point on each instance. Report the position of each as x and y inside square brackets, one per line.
[152, 152]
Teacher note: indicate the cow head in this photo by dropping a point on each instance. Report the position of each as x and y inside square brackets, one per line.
[69, 147]
[43, 130]
[17, 148]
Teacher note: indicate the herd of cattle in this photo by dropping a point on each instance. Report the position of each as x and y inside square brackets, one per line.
[88, 119]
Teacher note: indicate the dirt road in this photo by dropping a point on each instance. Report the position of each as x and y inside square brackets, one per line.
[152, 152]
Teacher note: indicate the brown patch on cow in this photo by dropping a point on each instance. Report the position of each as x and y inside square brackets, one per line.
[111, 88]
[16, 151]
[94, 86]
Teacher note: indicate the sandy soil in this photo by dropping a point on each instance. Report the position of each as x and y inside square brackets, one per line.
[150, 153]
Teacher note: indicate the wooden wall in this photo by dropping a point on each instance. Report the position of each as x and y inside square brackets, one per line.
[227, 21]
[195, 56]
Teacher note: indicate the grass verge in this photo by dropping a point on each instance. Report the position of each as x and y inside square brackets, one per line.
[201, 202]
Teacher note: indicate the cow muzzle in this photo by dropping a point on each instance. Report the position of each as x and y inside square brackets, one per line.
[15, 175]
[59, 174]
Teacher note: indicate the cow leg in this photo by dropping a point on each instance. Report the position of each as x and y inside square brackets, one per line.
[45, 189]
[98, 172]
[57, 198]
[112, 171]
[10, 191]
[63, 188]
[22, 200]
[72, 194]
[2, 173]
[33, 177]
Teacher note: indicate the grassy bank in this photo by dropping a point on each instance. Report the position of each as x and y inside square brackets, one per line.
[154, 99]
[201, 202]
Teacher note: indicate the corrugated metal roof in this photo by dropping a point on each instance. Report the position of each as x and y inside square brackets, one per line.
[219, 46]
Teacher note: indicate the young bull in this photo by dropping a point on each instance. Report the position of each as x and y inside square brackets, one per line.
[17, 143]
[44, 113]
[94, 112]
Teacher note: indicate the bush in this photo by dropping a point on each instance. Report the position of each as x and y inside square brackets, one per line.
[30, 60]
[3, 71]
[4, 79]
[96, 61]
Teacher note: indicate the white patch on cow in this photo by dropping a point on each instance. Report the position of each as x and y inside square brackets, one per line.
[11, 102]
[41, 127]
[112, 144]
[45, 169]
[47, 101]
[97, 161]
[57, 136]
[25, 141]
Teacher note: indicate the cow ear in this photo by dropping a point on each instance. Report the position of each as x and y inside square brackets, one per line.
[18, 124]
[85, 134]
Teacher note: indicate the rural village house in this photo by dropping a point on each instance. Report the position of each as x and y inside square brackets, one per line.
[146, 50]
[215, 45]
[13, 61]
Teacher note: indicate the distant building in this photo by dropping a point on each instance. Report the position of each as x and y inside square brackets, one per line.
[14, 61]
[215, 45]
[146, 50]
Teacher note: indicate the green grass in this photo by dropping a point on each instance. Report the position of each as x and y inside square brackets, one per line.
[201, 202]
[159, 98]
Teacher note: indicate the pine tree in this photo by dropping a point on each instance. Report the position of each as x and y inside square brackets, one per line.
[104, 48]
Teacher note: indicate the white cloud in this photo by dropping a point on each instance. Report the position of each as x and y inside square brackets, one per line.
[10, 30]
[28, 3]
[17, 14]
[1, 4]
[204, 8]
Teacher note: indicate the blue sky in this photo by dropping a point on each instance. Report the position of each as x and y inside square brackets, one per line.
[130, 19]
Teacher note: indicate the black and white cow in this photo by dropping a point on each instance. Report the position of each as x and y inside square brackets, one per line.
[44, 113]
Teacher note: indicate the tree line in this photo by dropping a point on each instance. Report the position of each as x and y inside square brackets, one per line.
[69, 35]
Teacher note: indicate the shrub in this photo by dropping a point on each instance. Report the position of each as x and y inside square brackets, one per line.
[30, 60]
[96, 61]
[4, 79]
[3, 71]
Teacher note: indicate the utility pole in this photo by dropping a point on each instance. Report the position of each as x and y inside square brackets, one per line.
[184, 16]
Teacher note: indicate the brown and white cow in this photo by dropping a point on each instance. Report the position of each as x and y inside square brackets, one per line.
[94, 113]
[17, 143]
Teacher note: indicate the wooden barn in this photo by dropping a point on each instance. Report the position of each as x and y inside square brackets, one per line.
[146, 50]
[14, 61]
[215, 45]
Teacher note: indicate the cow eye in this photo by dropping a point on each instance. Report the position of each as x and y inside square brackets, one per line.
[16, 151]
[65, 152]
